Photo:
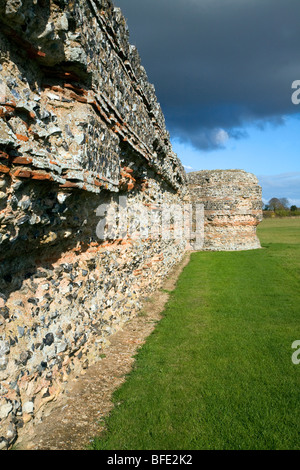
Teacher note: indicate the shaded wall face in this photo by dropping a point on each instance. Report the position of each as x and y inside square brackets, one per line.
[232, 208]
[80, 126]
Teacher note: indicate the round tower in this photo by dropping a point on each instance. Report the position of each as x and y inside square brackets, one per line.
[232, 202]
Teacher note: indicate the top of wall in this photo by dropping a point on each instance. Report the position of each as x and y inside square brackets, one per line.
[224, 185]
[74, 97]
[220, 176]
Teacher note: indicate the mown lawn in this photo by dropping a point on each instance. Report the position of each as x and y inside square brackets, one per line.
[217, 371]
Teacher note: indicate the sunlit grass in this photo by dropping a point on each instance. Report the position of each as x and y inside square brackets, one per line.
[217, 371]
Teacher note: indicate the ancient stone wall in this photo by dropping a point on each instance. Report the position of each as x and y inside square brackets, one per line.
[79, 126]
[232, 202]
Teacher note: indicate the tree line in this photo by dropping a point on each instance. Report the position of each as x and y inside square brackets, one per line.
[280, 207]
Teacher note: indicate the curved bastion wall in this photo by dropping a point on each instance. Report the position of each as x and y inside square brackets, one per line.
[232, 202]
[80, 127]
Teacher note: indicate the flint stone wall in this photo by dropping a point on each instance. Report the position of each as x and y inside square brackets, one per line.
[79, 125]
[232, 202]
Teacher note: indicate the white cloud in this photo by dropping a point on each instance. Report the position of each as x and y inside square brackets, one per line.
[221, 137]
[282, 185]
[188, 168]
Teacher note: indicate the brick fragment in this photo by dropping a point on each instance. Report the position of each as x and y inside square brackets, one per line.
[4, 169]
[4, 155]
[22, 161]
[21, 173]
[38, 175]
[76, 97]
[24, 138]
[69, 184]
[76, 89]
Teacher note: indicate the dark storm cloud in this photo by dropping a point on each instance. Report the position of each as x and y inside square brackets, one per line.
[218, 64]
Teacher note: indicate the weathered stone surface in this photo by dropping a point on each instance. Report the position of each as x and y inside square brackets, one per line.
[232, 202]
[80, 126]
[73, 91]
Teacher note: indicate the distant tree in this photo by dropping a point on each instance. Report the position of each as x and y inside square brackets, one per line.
[294, 208]
[284, 201]
[275, 204]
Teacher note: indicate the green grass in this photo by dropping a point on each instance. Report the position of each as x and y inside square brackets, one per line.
[217, 372]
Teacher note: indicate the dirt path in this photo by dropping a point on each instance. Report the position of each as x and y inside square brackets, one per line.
[76, 417]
